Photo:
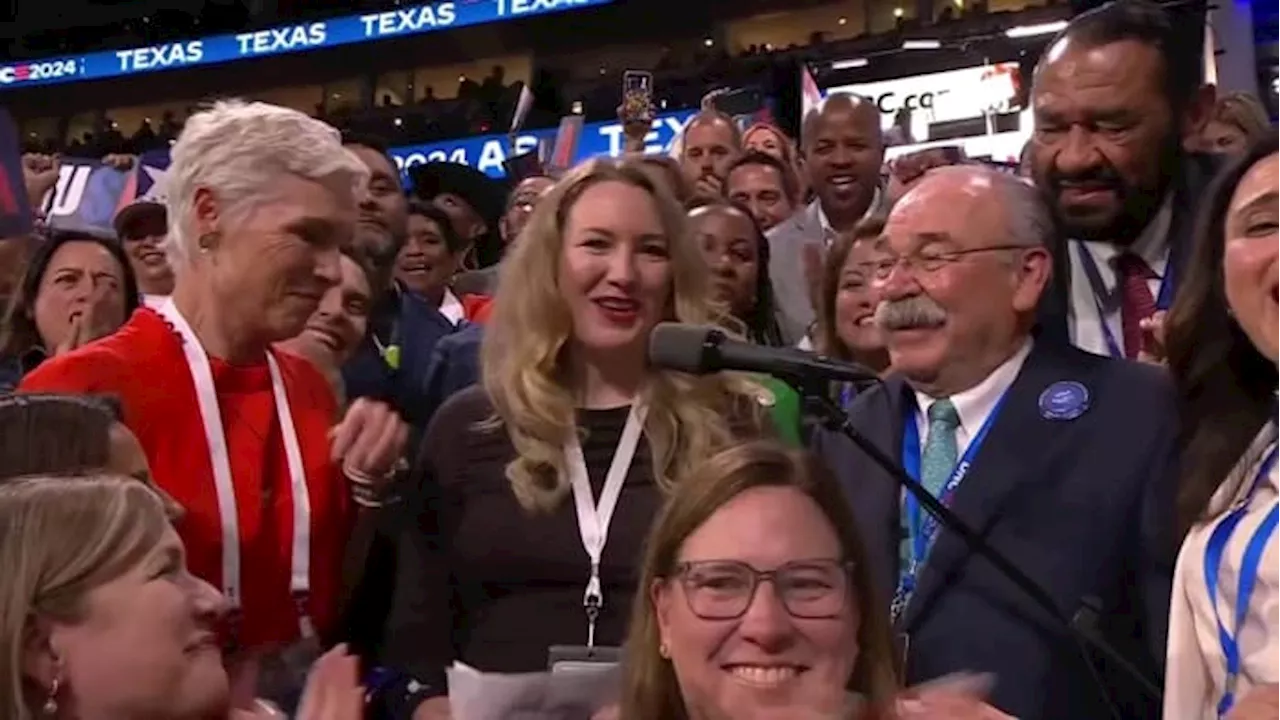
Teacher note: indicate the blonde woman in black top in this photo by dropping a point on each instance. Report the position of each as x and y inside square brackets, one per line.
[517, 536]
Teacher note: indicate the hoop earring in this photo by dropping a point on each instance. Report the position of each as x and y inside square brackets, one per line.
[206, 241]
[50, 707]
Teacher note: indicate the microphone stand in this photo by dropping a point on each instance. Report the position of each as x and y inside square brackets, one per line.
[819, 405]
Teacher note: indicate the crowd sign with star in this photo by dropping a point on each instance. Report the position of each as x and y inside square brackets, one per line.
[89, 193]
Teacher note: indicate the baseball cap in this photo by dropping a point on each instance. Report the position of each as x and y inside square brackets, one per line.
[139, 211]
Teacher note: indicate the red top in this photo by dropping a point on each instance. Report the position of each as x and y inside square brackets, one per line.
[476, 307]
[144, 366]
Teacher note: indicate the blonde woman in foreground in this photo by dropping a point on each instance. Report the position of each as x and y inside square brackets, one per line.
[519, 547]
[106, 623]
[755, 602]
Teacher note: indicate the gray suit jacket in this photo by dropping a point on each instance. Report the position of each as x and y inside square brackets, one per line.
[786, 264]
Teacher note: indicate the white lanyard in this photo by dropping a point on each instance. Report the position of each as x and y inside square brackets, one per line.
[594, 519]
[220, 460]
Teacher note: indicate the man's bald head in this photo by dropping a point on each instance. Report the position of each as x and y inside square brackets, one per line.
[841, 107]
[1003, 198]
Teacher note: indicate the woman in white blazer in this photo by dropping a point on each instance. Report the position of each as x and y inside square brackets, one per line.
[1224, 647]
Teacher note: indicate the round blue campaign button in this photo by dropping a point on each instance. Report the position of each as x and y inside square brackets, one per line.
[1064, 400]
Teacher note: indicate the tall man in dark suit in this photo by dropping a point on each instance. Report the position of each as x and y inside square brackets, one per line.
[1062, 459]
[1115, 97]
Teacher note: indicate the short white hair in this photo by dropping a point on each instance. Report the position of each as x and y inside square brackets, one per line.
[236, 149]
[1027, 216]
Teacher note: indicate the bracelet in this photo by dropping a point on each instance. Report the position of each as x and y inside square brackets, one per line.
[370, 496]
[361, 477]
[367, 502]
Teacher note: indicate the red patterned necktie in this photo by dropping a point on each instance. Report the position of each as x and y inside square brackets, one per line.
[1136, 301]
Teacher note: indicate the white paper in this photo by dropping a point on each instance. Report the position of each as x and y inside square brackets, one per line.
[570, 695]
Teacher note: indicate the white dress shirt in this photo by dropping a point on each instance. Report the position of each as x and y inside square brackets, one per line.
[829, 233]
[451, 308]
[1083, 320]
[975, 405]
[1195, 674]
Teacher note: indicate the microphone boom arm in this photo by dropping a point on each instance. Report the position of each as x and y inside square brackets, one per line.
[837, 420]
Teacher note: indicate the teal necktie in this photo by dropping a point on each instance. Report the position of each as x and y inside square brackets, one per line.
[937, 461]
[940, 454]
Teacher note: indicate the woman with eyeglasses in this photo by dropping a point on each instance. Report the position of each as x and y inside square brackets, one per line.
[755, 601]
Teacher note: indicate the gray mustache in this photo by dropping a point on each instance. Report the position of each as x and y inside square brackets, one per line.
[917, 311]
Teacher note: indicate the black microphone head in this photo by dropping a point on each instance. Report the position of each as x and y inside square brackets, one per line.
[681, 347]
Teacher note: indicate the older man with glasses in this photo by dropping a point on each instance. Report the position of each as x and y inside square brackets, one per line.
[1062, 459]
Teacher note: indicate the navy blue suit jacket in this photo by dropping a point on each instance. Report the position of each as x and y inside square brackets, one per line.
[1084, 507]
[366, 374]
[454, 366]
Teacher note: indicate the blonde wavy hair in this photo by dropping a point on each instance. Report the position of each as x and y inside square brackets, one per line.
[60, 538]
[523, 359]
[650, 687]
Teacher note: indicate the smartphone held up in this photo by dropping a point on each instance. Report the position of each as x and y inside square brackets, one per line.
[637, 97]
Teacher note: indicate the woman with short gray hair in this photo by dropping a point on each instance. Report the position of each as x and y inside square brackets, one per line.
[260, 200]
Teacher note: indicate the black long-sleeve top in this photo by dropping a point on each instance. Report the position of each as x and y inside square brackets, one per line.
[482, 580]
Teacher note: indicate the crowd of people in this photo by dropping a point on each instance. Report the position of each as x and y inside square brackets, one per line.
[321, 441]
[405, 111]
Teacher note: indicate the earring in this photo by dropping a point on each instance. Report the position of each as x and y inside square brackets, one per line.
[664, 651]
[50, 707]
[206, 241]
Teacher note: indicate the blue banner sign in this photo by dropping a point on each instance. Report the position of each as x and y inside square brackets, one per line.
[88, 195]
[487, 152]
[275, 41]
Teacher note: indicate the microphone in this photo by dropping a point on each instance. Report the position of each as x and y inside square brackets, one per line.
[701, 350]
[1081, 630]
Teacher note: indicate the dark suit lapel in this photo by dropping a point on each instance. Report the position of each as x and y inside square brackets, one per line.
[1019, 433]
[875, 498]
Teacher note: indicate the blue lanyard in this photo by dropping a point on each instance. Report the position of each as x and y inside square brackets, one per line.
[1164, 298]
[1249, 565]
[922, 527]
[848, 393]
